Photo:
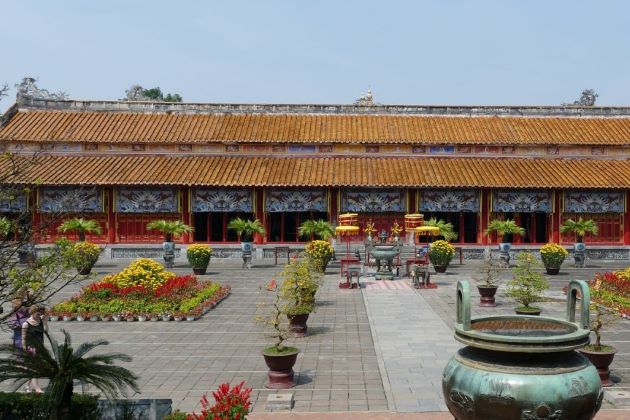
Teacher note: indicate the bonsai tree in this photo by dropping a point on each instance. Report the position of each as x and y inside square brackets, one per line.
[65, 364]
[318, 228]
[528, 284]
[446, 229]
[488, 279]
[580, 228]
[170, 229]
[245, 229]
[504, 227]
[299, 285]
[80, 226]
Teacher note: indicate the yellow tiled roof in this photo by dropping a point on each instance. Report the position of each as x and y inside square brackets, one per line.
[317, 172]
[114, 127]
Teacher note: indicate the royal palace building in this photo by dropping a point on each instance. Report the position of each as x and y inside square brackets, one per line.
[128, 163]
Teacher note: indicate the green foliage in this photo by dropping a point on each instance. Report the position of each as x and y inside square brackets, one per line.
[446, 229]
[488, 274]
[176, 415]
[199, 255]
[64, 364]
[441, 253]
[156, 94]
[319, 228]
[299, 286]
[504, 227]
[580, 228]
[6, 226]
[319, 254]
[81, 227]
[18, 406]
[528, 284]
[245, 229]
[169, 228]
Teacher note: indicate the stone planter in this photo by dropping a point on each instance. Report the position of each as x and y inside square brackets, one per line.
[552, 271]
[169, 253]
[297, 325]
[533, 311]
[247, 248]
[601, 360]
[280, 369]
[486, 295]
[440, 268]
[200, 271]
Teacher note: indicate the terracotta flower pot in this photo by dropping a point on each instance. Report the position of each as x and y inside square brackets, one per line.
[601, 360]
[552, 271]
[486, 295]
[280, 369]
[200, 271]
[297, 324]
[440, 268]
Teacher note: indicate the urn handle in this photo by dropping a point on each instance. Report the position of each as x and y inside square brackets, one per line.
[580, 286]
[463, 304]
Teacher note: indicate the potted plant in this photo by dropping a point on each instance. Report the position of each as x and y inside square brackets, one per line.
[488, 279]
[199, 256]
[580, 228]
[279, 358]
[609, 293]
[440, 254]
[80, 226]
[553, 256]
[504, 228]
[316, 228]
[299, 285]
[171, 229]
[446, 229]
[527, 285]
[84, 255]
[245, 229]
[319, 254]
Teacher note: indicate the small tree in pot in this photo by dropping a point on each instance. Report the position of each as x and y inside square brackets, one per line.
[246, 229]
[552, 256]
[80, 226]
[580, 228]
[527, 285]
[171, 229]
[488, 279]
[299, 286]
[504, 228]
[279, 358]
[199, 256]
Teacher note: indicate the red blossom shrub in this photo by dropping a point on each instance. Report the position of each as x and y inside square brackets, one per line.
[230, 404]
[178, 285]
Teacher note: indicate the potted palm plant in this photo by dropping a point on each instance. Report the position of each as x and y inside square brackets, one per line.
[488, 280]
[446, 229]
[504, 228]
[579, 228]
[245, 229]
[171, 229]
[80, 226]
[440, 254]
[607, 290]
[299, 285]
[279, 358]
[553, 256]
[316, 228]
[527, 285]
[199, 256]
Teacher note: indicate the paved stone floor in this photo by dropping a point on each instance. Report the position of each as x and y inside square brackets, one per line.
[381, 348]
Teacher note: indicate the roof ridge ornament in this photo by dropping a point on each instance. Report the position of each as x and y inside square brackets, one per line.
[28, 88]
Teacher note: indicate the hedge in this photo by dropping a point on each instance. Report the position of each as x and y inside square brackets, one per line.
[19, 406]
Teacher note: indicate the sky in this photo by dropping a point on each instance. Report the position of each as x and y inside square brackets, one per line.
[451, 52]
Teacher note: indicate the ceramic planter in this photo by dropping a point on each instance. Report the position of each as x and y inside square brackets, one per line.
[117, 318]
[142, 318]
[53, 318]
[440, 268]
[486, 295]
[94, 318]
[297, 325]
[190, 318]
[80, 318]
[601, 360]
[552, 271]
[67, 318]
[106, 318]
[166, 317]
[178, 318]
[533, 311]
[130, 319]
[247, 248]
[280, 369]
[155, 318]
[200, 271]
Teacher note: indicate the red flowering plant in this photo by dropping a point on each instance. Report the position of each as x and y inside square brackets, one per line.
[610, 297]
[230, 404]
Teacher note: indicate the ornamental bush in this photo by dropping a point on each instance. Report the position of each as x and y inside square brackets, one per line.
[553, 255]
[299, 286]
[230, 404]
[143, 272]
[85, 254]
[441, 253]
[528, 284]
[199, 255]
[319, 254]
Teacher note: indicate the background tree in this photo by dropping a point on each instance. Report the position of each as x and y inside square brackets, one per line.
[320, 228]
[587, 98]
[138, 93]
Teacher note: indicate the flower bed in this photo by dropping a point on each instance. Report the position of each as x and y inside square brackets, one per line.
[613, 291]
[144, 290]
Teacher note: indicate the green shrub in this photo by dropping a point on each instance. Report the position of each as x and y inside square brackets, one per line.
[18, 406]
[176, 415]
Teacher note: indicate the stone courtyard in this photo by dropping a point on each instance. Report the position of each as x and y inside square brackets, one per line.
[381, 348]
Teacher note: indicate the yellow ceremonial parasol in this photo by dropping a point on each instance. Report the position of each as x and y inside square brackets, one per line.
[428, 231]
[347, 231]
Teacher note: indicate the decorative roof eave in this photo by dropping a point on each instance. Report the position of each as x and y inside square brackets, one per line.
[325, 172]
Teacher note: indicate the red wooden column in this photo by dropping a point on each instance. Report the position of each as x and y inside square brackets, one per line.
[35, 218]
[483, 217]
[626, 221]
[411, 194]
[111, 216]
[556, 217]
[260, 213]
[334, 205]
[185, 195]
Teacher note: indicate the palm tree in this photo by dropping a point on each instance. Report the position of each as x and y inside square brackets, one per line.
[504, 227]
[579, 228]
[245, 229]
[446, 229]
[80, 226]
[170, 228]
[319, 228]
[62, 366]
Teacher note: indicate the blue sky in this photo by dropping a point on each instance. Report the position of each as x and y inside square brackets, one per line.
[297, 51]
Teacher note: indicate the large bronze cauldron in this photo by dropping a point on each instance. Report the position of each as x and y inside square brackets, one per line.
[522, 367]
